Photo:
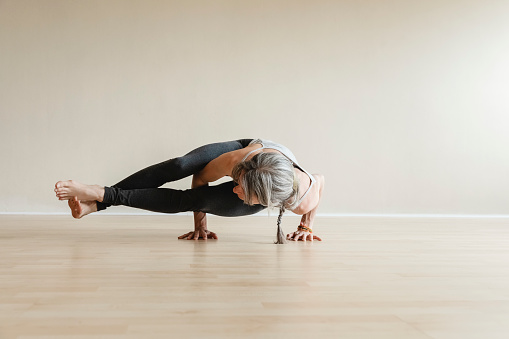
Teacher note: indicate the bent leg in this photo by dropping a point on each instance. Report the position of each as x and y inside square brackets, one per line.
[176, 168]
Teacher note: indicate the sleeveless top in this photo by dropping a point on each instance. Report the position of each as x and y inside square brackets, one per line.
[288, 154]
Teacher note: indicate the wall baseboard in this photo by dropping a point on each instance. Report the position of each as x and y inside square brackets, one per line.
[264, 214]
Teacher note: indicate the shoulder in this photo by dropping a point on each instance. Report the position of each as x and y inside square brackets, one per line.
[312, 200]
[320, 179]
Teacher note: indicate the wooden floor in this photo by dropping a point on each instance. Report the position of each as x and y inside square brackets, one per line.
[129, 277]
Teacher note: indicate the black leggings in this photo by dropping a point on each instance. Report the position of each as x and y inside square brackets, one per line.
[140, 190]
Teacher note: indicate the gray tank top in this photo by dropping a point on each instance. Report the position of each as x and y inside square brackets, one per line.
[287, 153]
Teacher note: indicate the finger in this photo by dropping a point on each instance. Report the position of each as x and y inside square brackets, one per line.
[203, 235]
[190, 237]
[212, 235]
[310, 237]
[196, 235]
[304, 236]
[317, 238]
[183, 236]
[186, 235]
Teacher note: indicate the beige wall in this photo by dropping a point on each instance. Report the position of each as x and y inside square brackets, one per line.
[403, 105]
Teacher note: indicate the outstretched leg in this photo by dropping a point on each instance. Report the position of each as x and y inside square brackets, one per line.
[218, 200]
[150, 177]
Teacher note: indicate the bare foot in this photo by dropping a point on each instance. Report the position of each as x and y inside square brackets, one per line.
[69, 189]
[81, 208]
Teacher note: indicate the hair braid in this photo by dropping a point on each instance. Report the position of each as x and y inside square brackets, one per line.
[280, 235]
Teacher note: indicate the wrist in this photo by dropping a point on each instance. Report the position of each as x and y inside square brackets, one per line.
[304, 228]
[306, 224]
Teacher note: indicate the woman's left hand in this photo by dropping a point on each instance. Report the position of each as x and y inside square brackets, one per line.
[302, 236]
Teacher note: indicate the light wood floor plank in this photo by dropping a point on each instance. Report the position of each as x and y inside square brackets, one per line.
[129, 277]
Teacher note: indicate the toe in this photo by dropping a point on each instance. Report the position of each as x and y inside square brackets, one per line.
[64, 184]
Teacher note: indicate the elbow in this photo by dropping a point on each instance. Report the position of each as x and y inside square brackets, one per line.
[197, 181]
[321, 179]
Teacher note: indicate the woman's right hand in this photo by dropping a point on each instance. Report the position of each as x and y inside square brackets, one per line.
[199, 234]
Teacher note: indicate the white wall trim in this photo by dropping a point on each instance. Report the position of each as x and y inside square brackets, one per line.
[264, 214]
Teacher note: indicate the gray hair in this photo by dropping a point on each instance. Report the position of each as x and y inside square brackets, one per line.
[270, 177]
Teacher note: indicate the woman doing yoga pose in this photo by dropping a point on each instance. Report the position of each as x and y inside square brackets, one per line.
[265, 174]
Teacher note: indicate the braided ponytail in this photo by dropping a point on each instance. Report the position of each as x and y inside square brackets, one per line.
[280, 235]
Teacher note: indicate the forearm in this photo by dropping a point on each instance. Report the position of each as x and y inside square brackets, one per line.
[307, 219]
[200, 218]
[200, 221]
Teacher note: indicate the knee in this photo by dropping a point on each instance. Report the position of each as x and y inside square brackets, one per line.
[176, 167]
[178, 164]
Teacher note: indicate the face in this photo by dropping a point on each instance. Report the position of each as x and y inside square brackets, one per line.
[240, 192]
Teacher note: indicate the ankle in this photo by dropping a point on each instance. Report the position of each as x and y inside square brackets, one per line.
[100, 193]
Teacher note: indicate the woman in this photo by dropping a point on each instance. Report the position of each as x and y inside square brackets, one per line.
[267, 174]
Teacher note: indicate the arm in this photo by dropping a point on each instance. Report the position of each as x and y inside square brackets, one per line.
[214, 170]
[200, 218]
[308, 217]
